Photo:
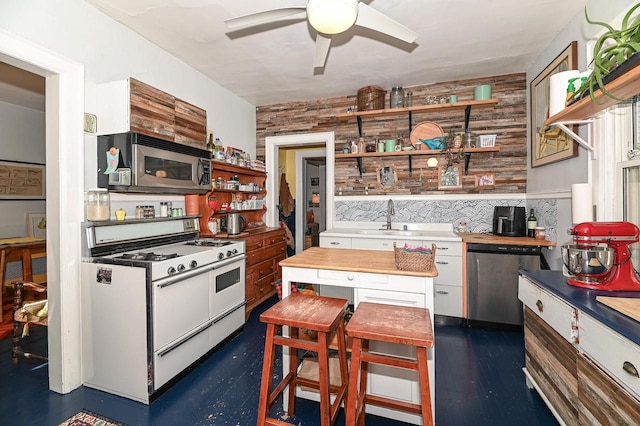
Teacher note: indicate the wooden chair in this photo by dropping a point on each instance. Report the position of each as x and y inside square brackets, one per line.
[25, 253]
[25, 314]
[393, 324]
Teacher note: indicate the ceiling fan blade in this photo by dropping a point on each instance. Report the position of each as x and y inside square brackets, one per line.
[323, 42]
[370, 18]
[262, 17]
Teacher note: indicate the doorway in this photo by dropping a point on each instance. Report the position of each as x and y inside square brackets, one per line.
[272, 146]
[64, 92]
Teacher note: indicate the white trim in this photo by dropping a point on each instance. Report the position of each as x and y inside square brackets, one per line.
[65, 186]
[272, 144]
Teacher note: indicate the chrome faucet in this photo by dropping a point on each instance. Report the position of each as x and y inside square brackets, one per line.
[390, 212]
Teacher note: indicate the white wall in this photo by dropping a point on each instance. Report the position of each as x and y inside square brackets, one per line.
[22, 140]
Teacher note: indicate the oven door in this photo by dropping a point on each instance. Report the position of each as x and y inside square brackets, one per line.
[227, 299]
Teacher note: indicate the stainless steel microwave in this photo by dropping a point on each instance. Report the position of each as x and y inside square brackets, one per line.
[133, 162]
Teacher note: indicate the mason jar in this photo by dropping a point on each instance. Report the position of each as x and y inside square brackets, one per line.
[396, 98]
[98, 205]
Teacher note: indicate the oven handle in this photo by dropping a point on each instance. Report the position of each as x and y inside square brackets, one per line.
[185, 339]
[173, 279]
[229, 312]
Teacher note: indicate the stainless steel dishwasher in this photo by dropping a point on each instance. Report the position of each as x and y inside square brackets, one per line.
[492, 281]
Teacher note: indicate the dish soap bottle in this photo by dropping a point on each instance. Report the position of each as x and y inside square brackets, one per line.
[532, 222]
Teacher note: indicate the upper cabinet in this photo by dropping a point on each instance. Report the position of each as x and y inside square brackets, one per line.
[130, 105]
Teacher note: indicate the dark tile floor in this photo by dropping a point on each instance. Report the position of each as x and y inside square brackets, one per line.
[479, 381]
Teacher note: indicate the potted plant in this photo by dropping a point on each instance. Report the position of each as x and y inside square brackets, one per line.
[612, 49]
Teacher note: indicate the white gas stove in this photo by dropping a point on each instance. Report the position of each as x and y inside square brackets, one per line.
[157, 299]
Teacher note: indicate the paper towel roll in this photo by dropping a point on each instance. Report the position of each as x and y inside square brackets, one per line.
[581, 203]
[558, 84]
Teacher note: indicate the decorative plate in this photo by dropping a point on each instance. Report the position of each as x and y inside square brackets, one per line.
[425, 130]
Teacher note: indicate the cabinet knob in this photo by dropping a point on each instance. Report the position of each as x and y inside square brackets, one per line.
[540, 305]
[630, 369]
[350, 277]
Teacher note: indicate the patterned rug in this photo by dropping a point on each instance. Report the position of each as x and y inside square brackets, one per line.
[87, 418]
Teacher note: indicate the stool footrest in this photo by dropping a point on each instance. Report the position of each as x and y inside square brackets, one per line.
[394, 361]
[296, 343]
[392, 403]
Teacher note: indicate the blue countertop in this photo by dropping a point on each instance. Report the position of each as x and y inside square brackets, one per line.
[585, 300]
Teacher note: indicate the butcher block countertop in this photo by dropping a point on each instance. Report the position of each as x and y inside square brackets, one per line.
[485, 238]
[371, 261]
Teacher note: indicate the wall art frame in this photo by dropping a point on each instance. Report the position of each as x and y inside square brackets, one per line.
[387, 176]
[22, 180]
[485, 180]
[549, 144]
[449, 177]
[37, 225]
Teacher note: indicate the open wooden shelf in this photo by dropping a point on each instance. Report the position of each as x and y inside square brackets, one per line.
[623, 87]
[414, 152]
[455, 106]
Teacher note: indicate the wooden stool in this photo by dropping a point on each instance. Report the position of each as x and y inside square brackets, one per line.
[394, 324]
[323, 315]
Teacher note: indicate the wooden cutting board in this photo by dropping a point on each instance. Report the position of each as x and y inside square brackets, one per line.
[625, 305]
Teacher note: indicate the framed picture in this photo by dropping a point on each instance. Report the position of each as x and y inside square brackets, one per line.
[37, 225]
[550, 144]
[449, 177]
[315, 181]
[487, 179]
[387, 176]
[21, 181]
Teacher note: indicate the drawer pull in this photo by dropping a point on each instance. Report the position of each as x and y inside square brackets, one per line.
[540, 305]
[334, 243]
[442, 263]
[442, 292]
[443, 248]
[630, 369]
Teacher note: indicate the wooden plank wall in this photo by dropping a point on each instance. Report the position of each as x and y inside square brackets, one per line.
[507, 120]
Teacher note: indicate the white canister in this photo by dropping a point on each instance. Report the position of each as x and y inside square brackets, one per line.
[98, 204]
[558, 84]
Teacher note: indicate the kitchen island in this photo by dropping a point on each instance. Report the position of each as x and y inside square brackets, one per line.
[373, 277]
[581, 356]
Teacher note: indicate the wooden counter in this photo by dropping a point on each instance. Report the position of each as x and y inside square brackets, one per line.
[371, 261]
[486, 238]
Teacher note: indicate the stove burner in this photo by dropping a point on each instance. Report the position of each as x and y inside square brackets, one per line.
[208, 243]
[147, 256]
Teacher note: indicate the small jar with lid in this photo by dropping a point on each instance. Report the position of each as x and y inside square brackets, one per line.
[98, 205]
[396, 98]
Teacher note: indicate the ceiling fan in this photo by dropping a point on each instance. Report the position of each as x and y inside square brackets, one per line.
[330, 17]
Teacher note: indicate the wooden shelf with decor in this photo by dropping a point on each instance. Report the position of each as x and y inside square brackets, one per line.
[455, 106]
[623, 87]
[254, 208]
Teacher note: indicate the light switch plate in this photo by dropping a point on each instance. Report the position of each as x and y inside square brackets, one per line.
[90, 123]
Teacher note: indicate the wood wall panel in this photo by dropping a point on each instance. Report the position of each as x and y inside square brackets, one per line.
[191, 124]
[508, 120]
[152, 111]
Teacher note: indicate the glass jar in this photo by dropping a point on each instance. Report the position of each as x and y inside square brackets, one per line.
[98, 205]
[396, 98]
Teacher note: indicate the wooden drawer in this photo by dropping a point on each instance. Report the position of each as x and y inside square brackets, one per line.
[258, 256]
[265, 286]
[335, 242]
[555, 312]
[445, 248]
[617, 355]
[272, 238]
[448, 300]
[264, 269]
[603, 402]
[349, 276]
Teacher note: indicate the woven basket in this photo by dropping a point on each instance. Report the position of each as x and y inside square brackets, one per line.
[370, 97]
[408, 261]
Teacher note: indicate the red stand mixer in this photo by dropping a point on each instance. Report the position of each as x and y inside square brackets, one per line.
[598, 267]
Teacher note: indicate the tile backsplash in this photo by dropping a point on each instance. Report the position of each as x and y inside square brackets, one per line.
[477, 214]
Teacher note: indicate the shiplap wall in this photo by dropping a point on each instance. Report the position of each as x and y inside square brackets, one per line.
[507, 119]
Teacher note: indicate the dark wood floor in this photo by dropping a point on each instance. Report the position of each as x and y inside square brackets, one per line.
[479, 381]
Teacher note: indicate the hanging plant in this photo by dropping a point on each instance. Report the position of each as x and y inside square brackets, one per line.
[453, 152]
[610, 51]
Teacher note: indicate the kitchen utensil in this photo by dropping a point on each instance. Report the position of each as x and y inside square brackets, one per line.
[236, 223]
[425, 130]
[597, 267]
[629, 306]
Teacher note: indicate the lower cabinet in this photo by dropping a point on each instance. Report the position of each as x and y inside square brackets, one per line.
[585, 371]
[264, 250]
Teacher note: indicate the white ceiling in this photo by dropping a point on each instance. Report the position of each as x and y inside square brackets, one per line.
[273, 63]
[458, 39]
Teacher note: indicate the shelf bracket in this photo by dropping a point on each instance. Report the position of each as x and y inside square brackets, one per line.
[410, 166]
[467, 158]
[467, 114]
[359, 118]
[589, 146]
[360, 168]
[410, 122]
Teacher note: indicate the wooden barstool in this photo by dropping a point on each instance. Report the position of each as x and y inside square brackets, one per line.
[394, 324]
[324, 315]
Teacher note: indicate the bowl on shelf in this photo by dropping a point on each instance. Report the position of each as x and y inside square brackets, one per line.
[434, 143]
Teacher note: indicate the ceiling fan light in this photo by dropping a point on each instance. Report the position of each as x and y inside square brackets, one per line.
[332, 16]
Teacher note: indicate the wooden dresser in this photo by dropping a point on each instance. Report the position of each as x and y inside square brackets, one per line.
[265, 249]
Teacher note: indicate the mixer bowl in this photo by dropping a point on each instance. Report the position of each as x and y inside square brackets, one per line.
[581, 261]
